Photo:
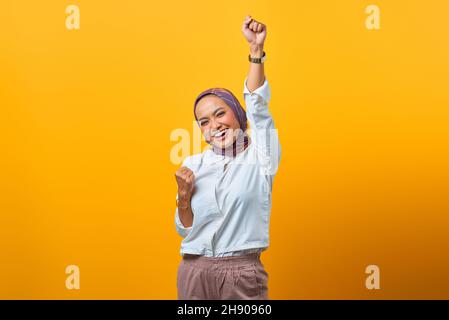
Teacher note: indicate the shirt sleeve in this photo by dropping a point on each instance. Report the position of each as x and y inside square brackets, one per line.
[264, 135]
[180, 228]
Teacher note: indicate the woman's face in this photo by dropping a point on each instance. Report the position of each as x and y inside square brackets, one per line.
[217, 121]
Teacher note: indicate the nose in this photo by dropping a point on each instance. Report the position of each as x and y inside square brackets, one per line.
[215, 125]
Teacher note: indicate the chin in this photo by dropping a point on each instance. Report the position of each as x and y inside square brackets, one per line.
[224, 144]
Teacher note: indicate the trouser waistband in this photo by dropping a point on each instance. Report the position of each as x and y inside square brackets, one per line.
[230, 260]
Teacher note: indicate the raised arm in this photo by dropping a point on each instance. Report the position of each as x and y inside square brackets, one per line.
[255, 33]
[257, 94]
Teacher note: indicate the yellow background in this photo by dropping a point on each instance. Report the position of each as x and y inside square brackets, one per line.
[86, 116]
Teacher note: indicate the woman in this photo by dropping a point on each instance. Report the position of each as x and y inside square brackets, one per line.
[224, 193]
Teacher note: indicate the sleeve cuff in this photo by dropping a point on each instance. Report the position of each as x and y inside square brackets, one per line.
[182, 230]
[179, 223]
[263, 90]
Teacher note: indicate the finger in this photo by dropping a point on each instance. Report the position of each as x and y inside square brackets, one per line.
[184, 169]
[259, 27]
[256, 25]
[253, 25]
[179, 172]
[188, 174]
[182, 176]
[247, 21]
[245, 27]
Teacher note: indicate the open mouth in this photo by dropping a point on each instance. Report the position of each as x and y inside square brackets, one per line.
[220, 135]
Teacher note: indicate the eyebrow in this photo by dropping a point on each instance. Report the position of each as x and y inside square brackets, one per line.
[216, 110]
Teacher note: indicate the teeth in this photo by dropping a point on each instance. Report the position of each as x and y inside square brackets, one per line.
[219, 134]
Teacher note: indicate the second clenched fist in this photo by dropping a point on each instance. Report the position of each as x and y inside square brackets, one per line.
[185, 179]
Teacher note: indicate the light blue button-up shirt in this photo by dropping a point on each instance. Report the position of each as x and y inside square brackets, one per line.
[231, 202]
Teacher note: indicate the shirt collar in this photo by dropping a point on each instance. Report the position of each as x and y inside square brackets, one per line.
[213, 157]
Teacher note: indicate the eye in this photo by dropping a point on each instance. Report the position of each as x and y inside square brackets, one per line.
[220, 114]
[204, 123]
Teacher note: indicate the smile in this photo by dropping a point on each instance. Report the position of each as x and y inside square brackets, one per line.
[220, 135]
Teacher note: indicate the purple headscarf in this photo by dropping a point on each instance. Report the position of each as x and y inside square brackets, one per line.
[229, 98]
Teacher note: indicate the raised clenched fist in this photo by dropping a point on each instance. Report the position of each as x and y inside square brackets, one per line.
[185, 179]
[254, 31]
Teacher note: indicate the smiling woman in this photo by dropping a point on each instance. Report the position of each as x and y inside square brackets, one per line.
[224, 196]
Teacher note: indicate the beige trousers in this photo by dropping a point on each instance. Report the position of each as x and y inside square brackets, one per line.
[222, 278]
